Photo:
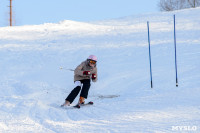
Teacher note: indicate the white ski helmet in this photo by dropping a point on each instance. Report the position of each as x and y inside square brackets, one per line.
[92, 57]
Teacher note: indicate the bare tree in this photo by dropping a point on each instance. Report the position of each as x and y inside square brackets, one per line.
[165, 5]
[170, 5]
[194, 3]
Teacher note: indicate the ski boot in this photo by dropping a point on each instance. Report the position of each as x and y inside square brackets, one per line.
[66, 103]
[81, 100]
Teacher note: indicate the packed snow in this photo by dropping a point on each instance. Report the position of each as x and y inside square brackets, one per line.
[33, 86]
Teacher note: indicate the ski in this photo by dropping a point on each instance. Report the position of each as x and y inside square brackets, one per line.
[71, 106]
[77, 106]
[85, 104]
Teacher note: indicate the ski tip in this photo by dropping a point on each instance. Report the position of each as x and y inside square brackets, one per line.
[91, 103]
[77, 106]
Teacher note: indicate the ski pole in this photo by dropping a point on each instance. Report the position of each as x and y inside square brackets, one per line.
[149, 54]
[175, 51]
[63, 68]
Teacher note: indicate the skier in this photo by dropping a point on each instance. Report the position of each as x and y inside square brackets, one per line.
[83, 74]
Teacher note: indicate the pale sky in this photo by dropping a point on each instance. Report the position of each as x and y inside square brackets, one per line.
[33, 12]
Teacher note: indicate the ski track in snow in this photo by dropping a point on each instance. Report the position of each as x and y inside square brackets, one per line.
[33, 86]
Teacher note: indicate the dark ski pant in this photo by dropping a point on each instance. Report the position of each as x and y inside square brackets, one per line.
[76, 90]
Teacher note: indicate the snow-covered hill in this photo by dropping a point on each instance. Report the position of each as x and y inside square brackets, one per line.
[32, 85]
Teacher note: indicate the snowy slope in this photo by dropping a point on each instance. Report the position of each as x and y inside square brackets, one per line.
[33, 86]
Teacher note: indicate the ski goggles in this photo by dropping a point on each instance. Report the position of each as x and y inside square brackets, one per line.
[92, 62]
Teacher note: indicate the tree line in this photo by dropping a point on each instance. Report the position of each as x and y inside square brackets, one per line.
[171, 5]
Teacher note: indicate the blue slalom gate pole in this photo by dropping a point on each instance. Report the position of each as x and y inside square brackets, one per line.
[149, 54]
[175, 50]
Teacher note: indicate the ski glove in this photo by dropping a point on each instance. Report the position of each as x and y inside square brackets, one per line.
[86, 72]
[94, 76]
